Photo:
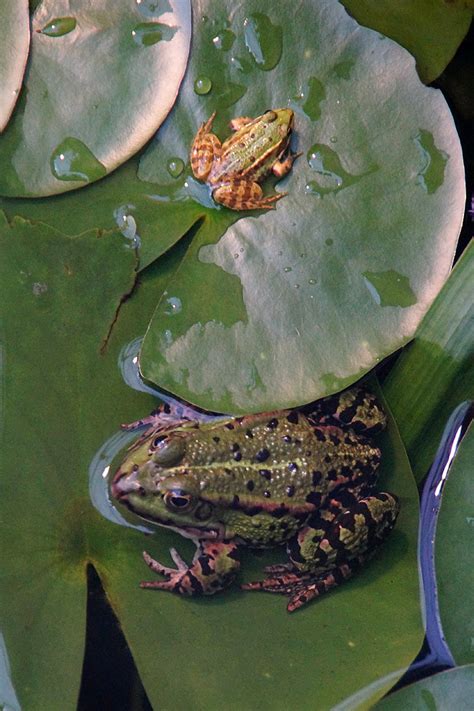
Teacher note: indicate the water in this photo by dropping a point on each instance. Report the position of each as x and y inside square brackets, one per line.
[59, 26]
[264, 40]
[147, 34]
[73, 160]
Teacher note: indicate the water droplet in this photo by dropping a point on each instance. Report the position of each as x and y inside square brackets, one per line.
[73, 160]
[174, 306]
[431, 175]
[303, 255]
[310, 99]
[333, 139]
[236, 256]
[202, 85]
[287, 269]
[175, 167]
[297, 286]
[311, 281]
[241, 250]
[389, 288]
[242, 64]
[127, 225]
[332, 176]
[224, 40]
[263, 40]
[231, 94]
[149, 33]
[329, 241]
[152, 8]
[59, 26]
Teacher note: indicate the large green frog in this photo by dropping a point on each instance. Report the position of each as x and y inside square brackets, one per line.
[302, 477]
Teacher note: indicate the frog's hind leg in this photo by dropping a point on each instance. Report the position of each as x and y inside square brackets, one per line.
[240, 194]
[329, 552]
[356, 408]
[206, 147]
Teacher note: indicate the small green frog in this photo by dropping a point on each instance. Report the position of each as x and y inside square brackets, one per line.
[302, 477]
[234, 168]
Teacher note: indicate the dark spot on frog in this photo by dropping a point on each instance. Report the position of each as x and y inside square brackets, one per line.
[237, 456]
[272, 424]
[267, 493]
[290, 490]
[216, 439]
[229, 426]
[314, 498]
[293, 467]
[250, 485]
[235, 502]
[280, 512]
[287, 439]
[135, 468]
[327, 458]
[293, 417]
[234, 447]
[335, 439]
[203, 511]
[316, 477]
[319, 434]
[348, 414]
[266, 473]
[332, 474]
[249, 434]
[346, 471]
[262, 455]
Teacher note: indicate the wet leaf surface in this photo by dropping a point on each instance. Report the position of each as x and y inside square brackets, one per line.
[450, 689]
[305, 299]
[14, 45]
[64, 400]
[80, 116]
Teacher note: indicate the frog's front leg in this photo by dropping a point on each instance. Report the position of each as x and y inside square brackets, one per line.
[206, 147]
[242, 194]
[213, 568]
[282, 167]
[332, 550]
[356, 408]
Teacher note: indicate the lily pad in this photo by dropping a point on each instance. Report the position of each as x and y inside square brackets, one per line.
[454, 554]
[64, 400]
[14, 45]
[285, 307]
[431, 30]
[450, 689]
[102, 78]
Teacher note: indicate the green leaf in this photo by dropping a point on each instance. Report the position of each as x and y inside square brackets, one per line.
[120, 201]
[14, 46]
[288, 306]
[449, 689]
[435, 373]
[102, 78]
[431, 30]
[64, 400]
[454, 553]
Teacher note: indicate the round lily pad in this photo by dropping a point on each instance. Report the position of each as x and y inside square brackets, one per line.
[102, 78]
[14, 44]
[284, 307]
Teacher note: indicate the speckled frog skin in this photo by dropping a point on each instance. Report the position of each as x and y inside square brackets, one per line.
[306, 478]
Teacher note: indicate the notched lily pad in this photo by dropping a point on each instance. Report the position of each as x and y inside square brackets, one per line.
[94, 113]
[341, 273]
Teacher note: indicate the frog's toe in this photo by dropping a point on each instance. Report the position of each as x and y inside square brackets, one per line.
[279, 568]
[283, 584]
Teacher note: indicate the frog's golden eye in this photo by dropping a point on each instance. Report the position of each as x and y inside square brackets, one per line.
[178, 500]
[167, 451]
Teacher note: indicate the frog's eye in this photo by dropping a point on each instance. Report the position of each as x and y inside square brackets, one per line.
[178, 500]
[167, 451]
[269, 116]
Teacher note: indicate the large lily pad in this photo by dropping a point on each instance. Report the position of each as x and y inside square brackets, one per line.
[286, 307]
[14, 44]
[431, 30]
[102, 77]
[450, 689]
[64, 398]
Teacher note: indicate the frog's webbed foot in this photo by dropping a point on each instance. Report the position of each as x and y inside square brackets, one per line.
[213, 568]
[166, 416]
[322, 558]
[206, 147]
[303, 587]
[241, 194]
